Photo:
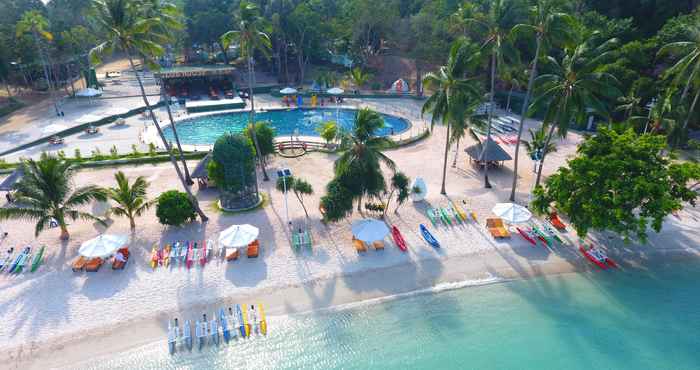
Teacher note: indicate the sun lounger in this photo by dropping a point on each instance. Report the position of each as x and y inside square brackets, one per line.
[497, 228]
[79, 263]
[94, 264]
[378, 245]
[253, 249]
[119, 265]
[359, 245]
[556, 222]
[232, 254]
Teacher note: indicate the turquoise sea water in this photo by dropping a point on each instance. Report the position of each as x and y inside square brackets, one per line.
[206, 129]
[601, 320]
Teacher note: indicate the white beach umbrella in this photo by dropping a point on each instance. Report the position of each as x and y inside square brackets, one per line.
[238, 235]
[53, 128]
[288, 91]
[369, 230]
[335, 91]
[102, 246]
[512, 213]
[88, 93]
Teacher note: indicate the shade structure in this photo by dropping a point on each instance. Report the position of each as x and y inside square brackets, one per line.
[494, 152]
[9, 182]
[288, 91]
[512, 213]
[369, 230]
[418, 190]
[54, 128]
[335, 91]
[238, 235]
[88, 93]
[88, 118]
[103, 246]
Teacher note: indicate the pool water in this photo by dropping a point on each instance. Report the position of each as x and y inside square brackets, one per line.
[599, 320]
[206, 129]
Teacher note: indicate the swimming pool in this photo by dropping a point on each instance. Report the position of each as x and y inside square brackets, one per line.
[206, 129]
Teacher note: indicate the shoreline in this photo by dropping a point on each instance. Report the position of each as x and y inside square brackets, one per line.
[328, 293]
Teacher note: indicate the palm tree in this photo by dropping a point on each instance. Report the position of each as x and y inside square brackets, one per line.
[359, 161]
[685, 70]
[550, 27]
[538, 140]
[130, 198]
[493, 25]
[471, 120]
[452, 92]
[127, 29]
[251, 37]
[47, 195]
[575, 89]
[298, 186]
[628, 104]
[514, 76]
[34, 23]
[358, 77]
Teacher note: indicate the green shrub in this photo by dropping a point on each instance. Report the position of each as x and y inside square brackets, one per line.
[174, 208]
[265, 134]
[77, 154]
[328, 131]
[233, 163]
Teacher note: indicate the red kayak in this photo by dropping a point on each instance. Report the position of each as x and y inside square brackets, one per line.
[398, 238]
[203, 259]
[526, 236]
[593, 258]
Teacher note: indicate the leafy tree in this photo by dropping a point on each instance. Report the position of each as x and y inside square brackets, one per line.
[337, 203]
[34, 24]
[620, 182]
[126, 28]
[130, 198]
[251, 35]
[299, 187]
[305, 30]
[266, 137]
[538, 140]
[328, 131]
[174, 208]
[399, 182]
[358, 167]
[575, 88]
[232, 166]
[549, 27]
[452, 92]
[46, 194]
[359, 77]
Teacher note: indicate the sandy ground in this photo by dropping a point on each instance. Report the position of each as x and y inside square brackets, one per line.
[58, 317]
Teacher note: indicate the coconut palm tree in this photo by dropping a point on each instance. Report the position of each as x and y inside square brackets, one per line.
[126, 28]
[575, 88]
[46, 194]
[251, 36]
[538, 139]
[628, 104]
[358, 77]
[493, 25]
[550, 27]
[685, 70]
[32, 22]
[452, 92]
[514, 76]
[472, 120]
[361, 154]
[130, 198]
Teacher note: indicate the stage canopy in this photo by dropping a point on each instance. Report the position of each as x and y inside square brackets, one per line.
[193, 71]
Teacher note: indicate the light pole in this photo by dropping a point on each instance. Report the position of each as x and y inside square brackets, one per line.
[284, 173]
[537, 157]
[650, 106]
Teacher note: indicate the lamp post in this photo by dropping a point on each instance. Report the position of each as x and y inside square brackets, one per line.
[650, 106]
[537, 157]
[284, 173]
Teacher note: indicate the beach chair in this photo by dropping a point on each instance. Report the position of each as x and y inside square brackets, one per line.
[359, 245]
[79, 264]
[119, 265]
[497, 228]
[94, 264]
[378, 245]
[556, 222]
[232, 254]
[253, 249]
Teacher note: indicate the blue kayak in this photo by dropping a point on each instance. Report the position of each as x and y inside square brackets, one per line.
[428, 236]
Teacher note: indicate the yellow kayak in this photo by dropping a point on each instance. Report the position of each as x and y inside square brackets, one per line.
[166, 255]
[246, 324]
[154, 256]
[263, 321]
[460, 212]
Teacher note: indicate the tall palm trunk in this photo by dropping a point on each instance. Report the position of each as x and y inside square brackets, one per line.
[193, 199]
[487, 184]
[70, 77]
[544, 154]
[444, 162]
[510, 93]
[454, 161]
[251, 73]
[692, 108]
[523, 115]
[45, 67]
[188, 178]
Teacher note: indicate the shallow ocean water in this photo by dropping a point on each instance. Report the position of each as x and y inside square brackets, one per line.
[598, 320]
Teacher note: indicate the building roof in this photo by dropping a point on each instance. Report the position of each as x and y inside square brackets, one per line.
[194, 71]
[8, 183]
[201, 171]
[495, 152]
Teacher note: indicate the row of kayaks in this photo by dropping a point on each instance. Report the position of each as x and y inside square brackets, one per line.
[451, 215]
[238, 321]
[182, 253]
[25, 260]
[545, 234]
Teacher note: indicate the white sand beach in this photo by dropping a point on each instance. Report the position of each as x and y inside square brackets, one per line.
[83, 315]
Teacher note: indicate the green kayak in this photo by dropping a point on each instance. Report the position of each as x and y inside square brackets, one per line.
[38, 258]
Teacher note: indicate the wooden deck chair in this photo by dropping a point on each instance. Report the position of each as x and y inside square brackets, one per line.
[497, 228]
[378, 245]
[79, 263]
[253, 249]
[359, 245]
[94, 264]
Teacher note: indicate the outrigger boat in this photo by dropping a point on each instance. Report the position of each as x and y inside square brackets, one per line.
[214, 330]
[19, 259]
[200, 330]
[445, 218]
[253, 319]
[546, 239]
[552, 232]
[598, 257]
[527, 236]
[223, 322]
[166, 255]
[203, 255]
[172, 336]
[451, 211]
[190, 254]
[431, 216]
[429, 237]
[23, 262]
[246, 323]
[241, 321]
[5, 263]
[38, 258]
[154, 256]
[460, 212]
[263, 320]
[187, 335]
[233, 322]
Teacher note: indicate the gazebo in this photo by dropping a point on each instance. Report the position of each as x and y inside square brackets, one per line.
[493, 154]
[201, 173]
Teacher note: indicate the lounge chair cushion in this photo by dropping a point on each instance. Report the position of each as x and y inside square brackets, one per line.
[253, 249]
[378, 245]
[79, 263]
[232, 254]
[359, 245]
[94, 264]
